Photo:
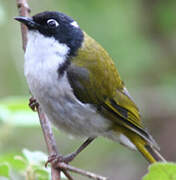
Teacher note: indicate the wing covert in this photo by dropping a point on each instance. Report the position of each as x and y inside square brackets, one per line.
[95, 80]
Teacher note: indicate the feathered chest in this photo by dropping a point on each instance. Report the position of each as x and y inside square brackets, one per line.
[54, 93]
[42, 59]
[58, 101]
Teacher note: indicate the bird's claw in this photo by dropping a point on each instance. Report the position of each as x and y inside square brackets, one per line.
[55, 159]
[33, 104]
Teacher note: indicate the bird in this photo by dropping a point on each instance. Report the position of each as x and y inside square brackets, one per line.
[77, 85]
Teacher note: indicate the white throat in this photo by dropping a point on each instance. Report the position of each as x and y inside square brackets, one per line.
[42, 49]
[43, 57]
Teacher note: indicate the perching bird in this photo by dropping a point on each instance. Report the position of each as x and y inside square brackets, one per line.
[78, 86]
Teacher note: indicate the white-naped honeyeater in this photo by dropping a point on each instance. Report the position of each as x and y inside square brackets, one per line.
[77, 85]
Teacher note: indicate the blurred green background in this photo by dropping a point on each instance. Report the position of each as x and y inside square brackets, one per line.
[140, 36]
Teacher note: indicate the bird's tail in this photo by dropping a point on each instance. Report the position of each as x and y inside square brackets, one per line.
[147, 149]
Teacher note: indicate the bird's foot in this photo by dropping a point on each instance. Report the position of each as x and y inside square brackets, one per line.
[33, 104]
[55, 159]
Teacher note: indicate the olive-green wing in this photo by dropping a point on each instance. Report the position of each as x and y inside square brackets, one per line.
[118, 108]
[95, 80]
[87, 90]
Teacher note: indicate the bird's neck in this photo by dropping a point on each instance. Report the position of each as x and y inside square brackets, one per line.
[43, 54]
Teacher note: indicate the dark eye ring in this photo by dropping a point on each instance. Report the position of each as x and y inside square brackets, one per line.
[52, 23]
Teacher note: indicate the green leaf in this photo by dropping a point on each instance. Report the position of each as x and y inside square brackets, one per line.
[2, 15]
[4, 170]
[15, 111]
[15, 103]
[36, 157]
[14, 161]
[161, 171]
[41, 174]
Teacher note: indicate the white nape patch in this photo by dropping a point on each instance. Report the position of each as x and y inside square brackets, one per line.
[125, 141]
[75, 24]
[127, 93]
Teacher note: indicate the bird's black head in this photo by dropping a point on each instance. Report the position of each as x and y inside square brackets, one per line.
[57, 25]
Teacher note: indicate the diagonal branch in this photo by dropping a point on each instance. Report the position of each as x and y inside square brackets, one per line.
[24, 10]
[50, 141]
[81, 172]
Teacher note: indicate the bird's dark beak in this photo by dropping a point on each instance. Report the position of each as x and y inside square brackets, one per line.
[27, 21]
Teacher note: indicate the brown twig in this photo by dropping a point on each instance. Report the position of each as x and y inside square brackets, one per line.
[67, 174]
[24, 10]
[51, 145]
[82, 172]
[50, 141]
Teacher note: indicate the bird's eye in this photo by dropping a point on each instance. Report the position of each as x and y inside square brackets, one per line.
[52, 23]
